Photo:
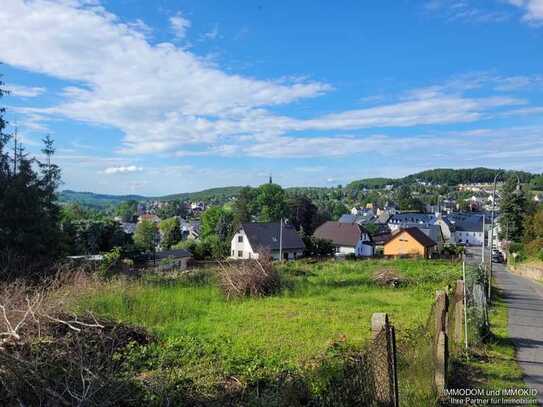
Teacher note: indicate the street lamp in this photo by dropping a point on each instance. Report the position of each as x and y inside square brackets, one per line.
[490, 244]
[492, 228]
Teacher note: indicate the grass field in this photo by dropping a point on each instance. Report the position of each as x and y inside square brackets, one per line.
[323, 309]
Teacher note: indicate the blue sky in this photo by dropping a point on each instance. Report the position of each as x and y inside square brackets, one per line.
[170, 96]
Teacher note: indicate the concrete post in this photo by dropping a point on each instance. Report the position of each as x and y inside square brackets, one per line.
[440, 377]
[442, 305]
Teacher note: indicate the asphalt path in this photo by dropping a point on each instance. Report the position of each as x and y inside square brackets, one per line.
[524, 298]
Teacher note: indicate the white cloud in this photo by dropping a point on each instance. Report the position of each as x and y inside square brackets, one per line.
[25, 91]
[122, 169]
[167, 100]
[213, 33]
[179, 25]
[533, 9]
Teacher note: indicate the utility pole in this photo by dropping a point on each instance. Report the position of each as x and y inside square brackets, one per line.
[491, 243]
[465, 303]
[281, 240]
[483, 246]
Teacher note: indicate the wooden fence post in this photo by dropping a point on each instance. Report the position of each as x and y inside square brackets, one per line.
[385, 377]
[458, 334]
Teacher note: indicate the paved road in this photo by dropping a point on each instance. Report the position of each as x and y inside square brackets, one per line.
[524, 299]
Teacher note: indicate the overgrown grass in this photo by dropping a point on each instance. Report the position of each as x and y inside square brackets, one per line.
[324, 309]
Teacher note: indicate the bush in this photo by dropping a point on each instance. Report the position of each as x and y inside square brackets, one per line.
[250, 278]
[111, 264]
[315, 247]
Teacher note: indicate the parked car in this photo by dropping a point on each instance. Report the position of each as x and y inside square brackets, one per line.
[497, 257]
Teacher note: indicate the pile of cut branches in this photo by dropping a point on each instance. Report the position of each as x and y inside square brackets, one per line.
[249, 278]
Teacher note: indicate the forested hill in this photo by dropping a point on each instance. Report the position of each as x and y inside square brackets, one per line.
[96, 200]
[103, 200]
[442, 176]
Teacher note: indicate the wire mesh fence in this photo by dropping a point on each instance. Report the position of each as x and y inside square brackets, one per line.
[476, 303]
[368, 378]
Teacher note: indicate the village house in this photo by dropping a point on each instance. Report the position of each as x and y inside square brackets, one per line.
[275, 238]
[410, 242]
[348, 238]
[170, 259]
[149, 217]
[468, 227]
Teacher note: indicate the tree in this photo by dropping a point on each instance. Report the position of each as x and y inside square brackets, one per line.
[224, 227]
[244, 205]
[30, 235]
[271, 203]
[406, 200]
[315, 247]
[145, 236]
[216, 231]
[533, 226]
[170, 231]
[127, 210]
[513, 207]
[92, 236]
[209, 220]
[302, 214]
[537, 183]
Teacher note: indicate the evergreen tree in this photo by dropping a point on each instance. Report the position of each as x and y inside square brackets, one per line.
[30, 235]
[512, 210]
[303, 214]
[244, 206]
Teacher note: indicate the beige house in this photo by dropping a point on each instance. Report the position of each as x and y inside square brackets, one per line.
[410, 242]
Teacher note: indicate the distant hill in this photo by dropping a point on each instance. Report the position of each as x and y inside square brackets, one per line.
[95, 200]
[442, 176]
[104, 200]
[205, 195]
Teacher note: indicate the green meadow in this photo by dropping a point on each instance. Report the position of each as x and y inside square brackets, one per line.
[323, 311]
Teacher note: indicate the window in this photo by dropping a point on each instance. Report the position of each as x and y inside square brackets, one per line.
[233, 252]
[240, 239]
[240, 253]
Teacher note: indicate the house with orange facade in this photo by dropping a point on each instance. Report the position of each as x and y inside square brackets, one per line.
[409, 242]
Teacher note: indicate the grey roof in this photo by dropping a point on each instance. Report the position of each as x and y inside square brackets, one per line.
[412, 217]
[361, 219]
[173, 254]
[468, 221]
[266, 235]
[128, 227]
[347, 218]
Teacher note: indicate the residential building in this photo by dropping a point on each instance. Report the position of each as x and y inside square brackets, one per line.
[401, 220]
[348, 238]
[252, 238]
[170, 259]
[410, 242]
[468, 227]
[149, 217]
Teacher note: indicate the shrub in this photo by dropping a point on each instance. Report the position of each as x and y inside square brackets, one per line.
[254, 278]
[111, 264]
